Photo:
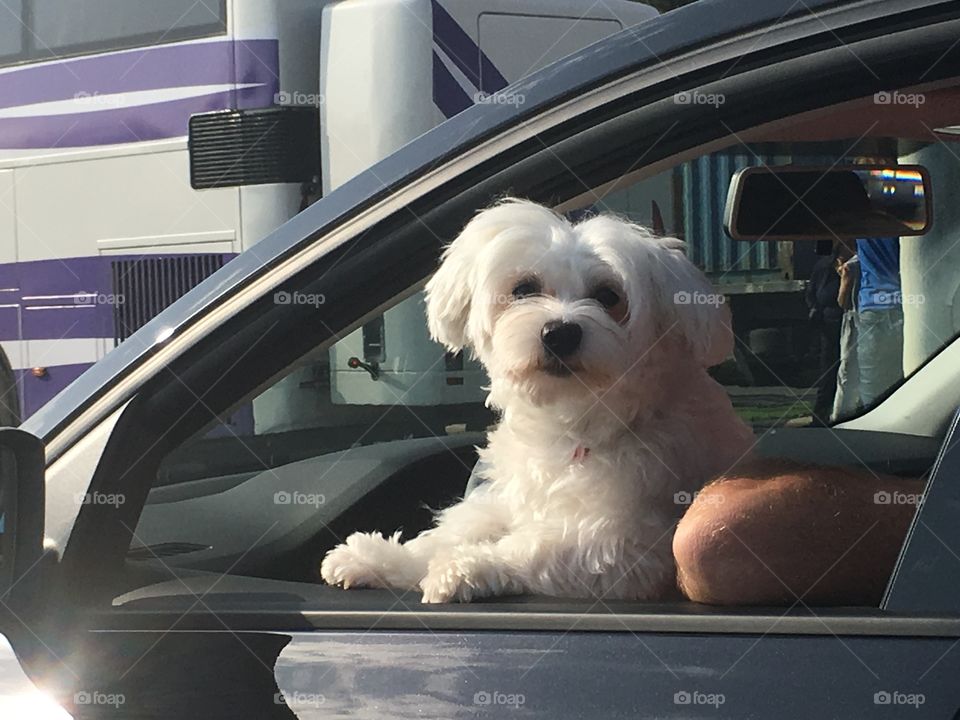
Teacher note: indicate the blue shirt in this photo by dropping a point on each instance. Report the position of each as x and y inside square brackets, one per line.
[879, 273]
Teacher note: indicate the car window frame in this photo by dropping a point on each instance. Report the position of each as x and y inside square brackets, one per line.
[447, 197]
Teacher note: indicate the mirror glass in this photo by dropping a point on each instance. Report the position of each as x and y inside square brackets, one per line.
[794, 202]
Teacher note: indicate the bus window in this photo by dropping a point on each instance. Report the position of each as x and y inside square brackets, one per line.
[55, 28]
[11, 30]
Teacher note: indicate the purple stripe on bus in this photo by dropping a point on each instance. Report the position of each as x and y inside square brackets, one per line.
[42, 315]
[123, 125]
[37, 392]
[153, 68]
[8, 277]
[464, 52]
[10, 321]
[250, 62]
[448, 96]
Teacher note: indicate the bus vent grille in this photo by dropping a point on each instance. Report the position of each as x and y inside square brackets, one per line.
[149, 284]
[229, 148]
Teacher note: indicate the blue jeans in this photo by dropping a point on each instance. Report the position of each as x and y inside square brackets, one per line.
[879, 351]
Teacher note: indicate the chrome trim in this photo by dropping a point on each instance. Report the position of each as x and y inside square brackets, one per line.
[775, 621]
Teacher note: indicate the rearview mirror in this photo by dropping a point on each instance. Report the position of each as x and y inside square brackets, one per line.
[804, 202]
[21, 506]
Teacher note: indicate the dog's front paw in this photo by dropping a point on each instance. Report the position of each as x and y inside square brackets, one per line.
[448, 582]
[355, 563]
[467, 576]
[342, 567]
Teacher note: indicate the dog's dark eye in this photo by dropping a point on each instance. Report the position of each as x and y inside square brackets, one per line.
[525, 288]
[606, 296]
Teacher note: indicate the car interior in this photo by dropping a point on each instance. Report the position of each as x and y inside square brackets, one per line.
[375, 431]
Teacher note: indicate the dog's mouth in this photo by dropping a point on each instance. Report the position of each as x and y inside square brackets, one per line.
[555, 367]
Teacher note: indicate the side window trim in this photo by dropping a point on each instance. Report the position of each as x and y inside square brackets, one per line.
[68, 480]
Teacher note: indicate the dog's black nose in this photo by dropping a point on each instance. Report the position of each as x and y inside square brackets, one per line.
[561, 338]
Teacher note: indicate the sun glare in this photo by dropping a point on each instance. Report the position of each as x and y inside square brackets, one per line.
[32, 705]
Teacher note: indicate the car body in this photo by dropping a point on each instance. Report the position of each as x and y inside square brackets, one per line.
[113, 638]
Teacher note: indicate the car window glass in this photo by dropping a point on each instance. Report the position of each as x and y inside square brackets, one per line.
[367, 431]
[805, 352]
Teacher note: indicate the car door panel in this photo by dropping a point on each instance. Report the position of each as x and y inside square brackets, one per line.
[557, 675]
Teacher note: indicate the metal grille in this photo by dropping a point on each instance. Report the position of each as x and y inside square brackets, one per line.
[706, 181]
[250, 147]
[147, 285]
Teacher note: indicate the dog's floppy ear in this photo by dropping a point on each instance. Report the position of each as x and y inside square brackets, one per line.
[448, 295]
[450, 291]
[667, 293]
[689, 302]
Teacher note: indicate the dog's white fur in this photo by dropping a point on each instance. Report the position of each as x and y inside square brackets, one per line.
[584, 469]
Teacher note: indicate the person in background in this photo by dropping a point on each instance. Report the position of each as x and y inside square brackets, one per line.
[879, 317]
[847, 399]
[826, 315]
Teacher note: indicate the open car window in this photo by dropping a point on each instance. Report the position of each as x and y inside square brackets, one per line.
[376, 429]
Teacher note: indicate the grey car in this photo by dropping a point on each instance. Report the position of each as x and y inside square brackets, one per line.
[161, 548]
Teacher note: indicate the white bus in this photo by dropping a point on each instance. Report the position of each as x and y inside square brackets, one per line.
[102, 224]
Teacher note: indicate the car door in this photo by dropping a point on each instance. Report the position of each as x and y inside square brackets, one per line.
[165, 640]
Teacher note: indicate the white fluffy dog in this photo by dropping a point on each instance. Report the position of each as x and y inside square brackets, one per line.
[596, 337]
